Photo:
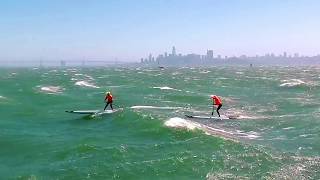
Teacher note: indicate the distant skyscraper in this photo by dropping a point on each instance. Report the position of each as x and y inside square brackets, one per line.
[209, 54]
[62, 63]
[165, 54]
[174, 51]
[243, 56]
[285, 54]
[41, 63]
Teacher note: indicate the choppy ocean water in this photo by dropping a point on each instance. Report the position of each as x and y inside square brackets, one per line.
[276, 135]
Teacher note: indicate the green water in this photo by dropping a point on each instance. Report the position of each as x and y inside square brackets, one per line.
[276, 135]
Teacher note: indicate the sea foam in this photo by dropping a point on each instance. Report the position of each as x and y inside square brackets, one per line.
[292, 83]
[177, 122]
[51, 89]
[86, 84]
[164, 88]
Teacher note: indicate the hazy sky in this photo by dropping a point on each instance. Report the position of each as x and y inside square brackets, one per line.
[131, 29]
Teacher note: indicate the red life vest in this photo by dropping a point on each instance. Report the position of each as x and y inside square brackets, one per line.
[109, 98]
[217, 100]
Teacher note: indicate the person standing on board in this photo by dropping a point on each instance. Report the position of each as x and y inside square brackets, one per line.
[108, 99]
[216, 101]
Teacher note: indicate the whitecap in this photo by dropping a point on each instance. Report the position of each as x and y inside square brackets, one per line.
[177, 122]
[164, 88]
[86, 84]
[51, 89]
[292, 83]
[305, 135]
[287, 128]
[180, 123]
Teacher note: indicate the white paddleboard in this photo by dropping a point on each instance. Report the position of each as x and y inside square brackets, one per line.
[83, 111]
[210, 117]
[107, 112]
[94, 112]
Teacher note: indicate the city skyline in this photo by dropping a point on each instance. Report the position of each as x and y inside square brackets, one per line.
[210, 58]
[210, 54]
[127, 30]
[178, 59]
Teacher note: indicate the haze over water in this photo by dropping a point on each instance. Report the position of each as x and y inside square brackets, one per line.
[276, 135]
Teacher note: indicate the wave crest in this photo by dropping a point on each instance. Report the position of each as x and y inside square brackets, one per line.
[51, 89]
[292, 83]
[177, 122]
[85, 84]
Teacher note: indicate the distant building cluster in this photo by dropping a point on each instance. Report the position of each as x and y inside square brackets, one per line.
[176, 59]
[210, 59]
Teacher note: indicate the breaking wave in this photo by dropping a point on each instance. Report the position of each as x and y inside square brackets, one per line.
[292, 83]
[180, 123]
[164, 88]
[51, 89]
[86, 84]
[177, 122]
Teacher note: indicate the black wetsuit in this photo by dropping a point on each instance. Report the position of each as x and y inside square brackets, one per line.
[109, 100]
[108, 104]
[218, 109]
[220, 105]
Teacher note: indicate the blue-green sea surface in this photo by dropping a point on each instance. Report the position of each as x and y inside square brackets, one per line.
[275, 136]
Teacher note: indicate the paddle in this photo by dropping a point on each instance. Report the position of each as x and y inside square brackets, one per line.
[212, 110]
